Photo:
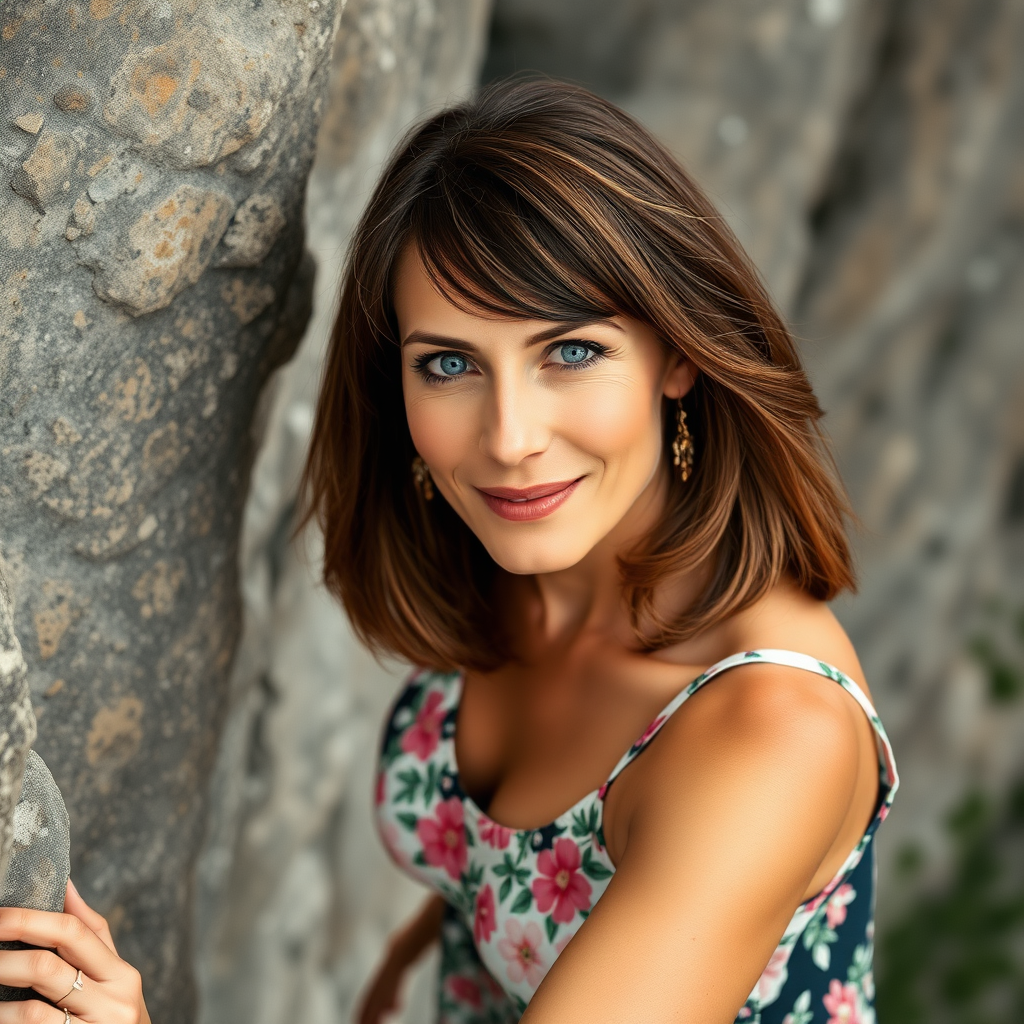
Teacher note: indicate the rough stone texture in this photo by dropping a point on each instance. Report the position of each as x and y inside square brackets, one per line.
[17, 724]
[152, 166]
[869, 155]
[37, 873]
[295, 896]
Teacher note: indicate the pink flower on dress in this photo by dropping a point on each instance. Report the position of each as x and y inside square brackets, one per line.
[650, 730]
[521, 948]
[841, 1003]
[835, 911]
[424, 734]
[465, 991]
[563, 886]
[493, 834]
[380, 794]
[483, 923]
[444, 838]
[773, 977]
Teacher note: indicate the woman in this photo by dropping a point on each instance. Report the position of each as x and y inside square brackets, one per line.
[565, 459]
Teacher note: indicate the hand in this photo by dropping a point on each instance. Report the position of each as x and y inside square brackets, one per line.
[381, 995]
[404, 949]
[77, 940]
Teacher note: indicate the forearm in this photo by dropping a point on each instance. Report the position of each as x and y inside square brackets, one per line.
[410, 941]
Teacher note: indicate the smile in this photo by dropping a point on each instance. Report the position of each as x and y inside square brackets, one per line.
[523, 503]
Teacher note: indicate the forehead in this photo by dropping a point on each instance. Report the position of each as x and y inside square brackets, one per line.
[420, 305]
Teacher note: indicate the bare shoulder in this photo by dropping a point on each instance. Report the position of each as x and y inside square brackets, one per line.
[769, 713]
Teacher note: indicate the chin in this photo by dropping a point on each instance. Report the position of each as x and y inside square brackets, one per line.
[528, 556]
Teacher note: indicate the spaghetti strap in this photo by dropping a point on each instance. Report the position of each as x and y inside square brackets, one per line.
[792, 659]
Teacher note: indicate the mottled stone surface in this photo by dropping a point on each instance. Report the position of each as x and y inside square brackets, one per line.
[37, 873]
[17, 724]
[153, 159]
[295, 896]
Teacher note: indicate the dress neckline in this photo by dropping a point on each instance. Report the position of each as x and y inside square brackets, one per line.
[667, 711]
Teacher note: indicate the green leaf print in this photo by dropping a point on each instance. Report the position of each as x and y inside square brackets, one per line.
[522, 902]
[552, 927]
[523, 839]
[584, 825]
[592, 869]
[822, 956]
[862, 961]
[506, 888]
[410, 780]
[505, 868]
[408, 820]
[834, 675]
[393, 750]
[802, 1013]
[430, 783]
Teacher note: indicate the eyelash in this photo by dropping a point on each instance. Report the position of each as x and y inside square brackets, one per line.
[597, 353]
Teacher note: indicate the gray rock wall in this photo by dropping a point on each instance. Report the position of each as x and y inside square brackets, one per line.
[869, 155]
[17, 724]
[295, 896]
[152, 164]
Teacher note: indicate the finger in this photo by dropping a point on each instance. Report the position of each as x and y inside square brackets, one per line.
[32, 1011]
[74, 904]
[73, 940]
[38, 969]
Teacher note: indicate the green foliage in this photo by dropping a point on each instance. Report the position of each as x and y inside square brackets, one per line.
[957, 955]
[999, 649]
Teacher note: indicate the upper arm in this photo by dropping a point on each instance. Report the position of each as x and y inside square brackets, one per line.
[737, 803]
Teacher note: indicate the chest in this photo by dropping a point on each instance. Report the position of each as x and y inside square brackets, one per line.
[531, 743]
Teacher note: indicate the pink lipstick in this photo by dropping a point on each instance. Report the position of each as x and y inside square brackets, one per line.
[520, 504]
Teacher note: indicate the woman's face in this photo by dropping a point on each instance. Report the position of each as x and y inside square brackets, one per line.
[542, 436]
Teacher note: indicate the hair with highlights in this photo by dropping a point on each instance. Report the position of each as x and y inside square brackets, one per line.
[540, 200]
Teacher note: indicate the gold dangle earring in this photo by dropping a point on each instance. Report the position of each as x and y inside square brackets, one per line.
[421, 478]
[682, 446]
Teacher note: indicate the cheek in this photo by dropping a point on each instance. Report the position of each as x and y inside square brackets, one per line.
[441, 429]
[613, 420]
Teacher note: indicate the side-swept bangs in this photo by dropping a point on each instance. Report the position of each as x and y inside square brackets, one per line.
[539, 200]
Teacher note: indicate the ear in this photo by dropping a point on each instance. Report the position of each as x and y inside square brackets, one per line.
[681, 376]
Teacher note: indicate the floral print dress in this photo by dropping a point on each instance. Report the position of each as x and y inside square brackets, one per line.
[517, 897]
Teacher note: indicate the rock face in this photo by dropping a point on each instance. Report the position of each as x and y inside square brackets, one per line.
[153, 160]
[17, 724]
[867, 154]
[295, 896]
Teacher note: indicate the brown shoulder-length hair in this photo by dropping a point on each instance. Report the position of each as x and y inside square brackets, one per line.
[540, 200]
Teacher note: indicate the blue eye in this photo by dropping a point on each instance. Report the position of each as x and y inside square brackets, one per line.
[573, 352]
[452, 365]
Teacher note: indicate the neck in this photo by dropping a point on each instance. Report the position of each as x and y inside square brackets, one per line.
[586, 599]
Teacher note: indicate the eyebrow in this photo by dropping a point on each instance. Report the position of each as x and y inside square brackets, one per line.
[442, 340]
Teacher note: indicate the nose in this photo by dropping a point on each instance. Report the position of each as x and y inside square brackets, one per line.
[514, 424]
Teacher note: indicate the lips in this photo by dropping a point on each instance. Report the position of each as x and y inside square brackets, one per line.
[519, 504]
